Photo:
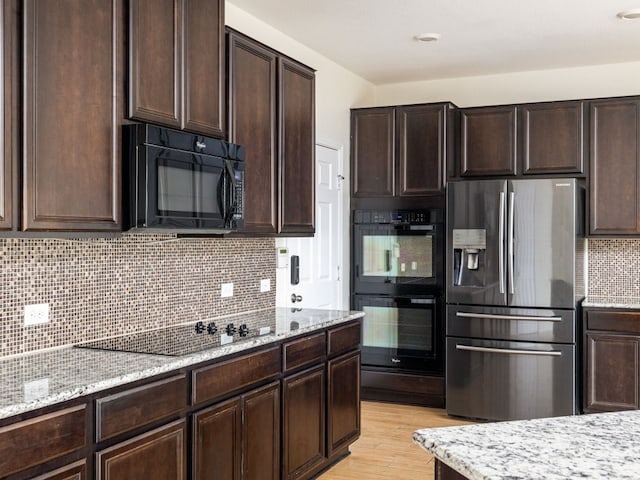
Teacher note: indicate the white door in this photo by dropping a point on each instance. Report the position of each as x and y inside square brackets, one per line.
[321, 255]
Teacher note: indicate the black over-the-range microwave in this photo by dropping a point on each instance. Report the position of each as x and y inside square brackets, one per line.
[174, 181]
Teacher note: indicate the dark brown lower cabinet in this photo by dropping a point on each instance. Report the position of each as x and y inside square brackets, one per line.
[239, 438]
[75, 471]
[261, 434]
[445, 472]
[343, 396]
[303, 428]
[612, 363]
[159, 454]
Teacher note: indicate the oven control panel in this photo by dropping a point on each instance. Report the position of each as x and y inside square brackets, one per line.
[413, 217]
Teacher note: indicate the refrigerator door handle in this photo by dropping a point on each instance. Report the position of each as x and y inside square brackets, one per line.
[510, 243]
[501, 242]
[509, 351]
[508, 317]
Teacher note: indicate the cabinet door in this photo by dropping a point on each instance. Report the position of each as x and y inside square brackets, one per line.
[373, 152]
[252, 123]
[343, 396]
[303, 419]
[204, 67]
[261, 434]
[614, 201]
[155, 59]
[488, 141]
[71, 107]
[552, 138]
[216, 442]
[296, 148]
[159, 454]
[421, 149]
[613, 372]
[9, 67]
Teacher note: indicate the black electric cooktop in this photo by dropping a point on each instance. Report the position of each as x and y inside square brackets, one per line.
[176, 340]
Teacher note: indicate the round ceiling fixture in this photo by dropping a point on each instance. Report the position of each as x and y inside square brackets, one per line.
[632, 14]
[428, 37]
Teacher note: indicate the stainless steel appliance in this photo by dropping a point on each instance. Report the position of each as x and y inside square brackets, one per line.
[398, 278]
[514, 277]
[401, 332]
[180, 182]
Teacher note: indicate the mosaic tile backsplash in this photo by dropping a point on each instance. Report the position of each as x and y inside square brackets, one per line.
[614, 268]
[98, 288]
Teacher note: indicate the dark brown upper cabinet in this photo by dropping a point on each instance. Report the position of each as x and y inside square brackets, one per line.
[488, 137]
[272, 113]
[176, 64]
[8, 108]
[614, 192]
[527, 139]
[72, 111]
[552, 138]
[399, 151]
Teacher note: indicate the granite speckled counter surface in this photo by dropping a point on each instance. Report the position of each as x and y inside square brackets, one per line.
[595, 446]
[29, 382]
[612, 302]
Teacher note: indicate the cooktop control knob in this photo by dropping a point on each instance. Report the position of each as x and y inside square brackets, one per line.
[212, 328]
[199, 327]
[231, 330]
[244, 330]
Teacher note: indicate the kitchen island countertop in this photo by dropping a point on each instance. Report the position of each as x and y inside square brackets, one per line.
[32, 381]
[595, 446]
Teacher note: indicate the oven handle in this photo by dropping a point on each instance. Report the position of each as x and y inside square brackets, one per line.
[509, 351]
[508, 317]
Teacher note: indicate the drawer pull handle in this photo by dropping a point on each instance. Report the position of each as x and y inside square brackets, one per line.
[509, 351]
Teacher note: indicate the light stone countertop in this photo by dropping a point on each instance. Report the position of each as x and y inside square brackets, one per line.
[32, 381]
[595, 446]
[632, 303]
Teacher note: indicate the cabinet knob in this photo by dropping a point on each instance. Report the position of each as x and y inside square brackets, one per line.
[296, 298]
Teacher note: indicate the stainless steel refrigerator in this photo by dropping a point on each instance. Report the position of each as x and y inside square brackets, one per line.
[515, 273]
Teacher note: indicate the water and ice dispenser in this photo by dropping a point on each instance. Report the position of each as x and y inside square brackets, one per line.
[469, 251]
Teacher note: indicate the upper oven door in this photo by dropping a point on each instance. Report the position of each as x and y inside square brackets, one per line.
[392, 258]
[184, 190]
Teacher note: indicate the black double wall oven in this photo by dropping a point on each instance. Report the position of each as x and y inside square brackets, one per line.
[397, 280]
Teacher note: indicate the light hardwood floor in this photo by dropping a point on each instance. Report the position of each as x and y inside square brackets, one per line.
[385, 449]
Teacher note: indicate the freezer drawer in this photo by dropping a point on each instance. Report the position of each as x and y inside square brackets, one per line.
[512, 324]
[497, 380]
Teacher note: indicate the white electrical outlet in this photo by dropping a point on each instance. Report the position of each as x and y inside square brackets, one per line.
[36, 314]
[226, 290]
[265, 284]
[226, 339]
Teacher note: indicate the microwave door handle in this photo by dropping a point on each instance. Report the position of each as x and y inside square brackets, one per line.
[229, 168]
[220, 189]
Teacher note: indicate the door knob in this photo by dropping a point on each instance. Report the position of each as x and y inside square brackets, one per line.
[296, 298]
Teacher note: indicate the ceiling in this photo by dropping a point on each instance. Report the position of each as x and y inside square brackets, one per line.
[375, 38]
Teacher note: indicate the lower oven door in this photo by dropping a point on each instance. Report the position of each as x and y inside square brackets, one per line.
[499, 380]
[400, 332]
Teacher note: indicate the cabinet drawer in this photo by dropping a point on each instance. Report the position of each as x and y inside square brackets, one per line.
[626, 322]
[217, 380]
[141, 406]
[343, 339]
[76, 471]
[38, 440]
[304, 351]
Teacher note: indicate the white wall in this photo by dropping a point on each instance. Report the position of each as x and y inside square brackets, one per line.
[337, 90]
[535, 86]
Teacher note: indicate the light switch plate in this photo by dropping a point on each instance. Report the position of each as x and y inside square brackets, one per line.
[265, 330]
[226, 290]
[265, 285]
